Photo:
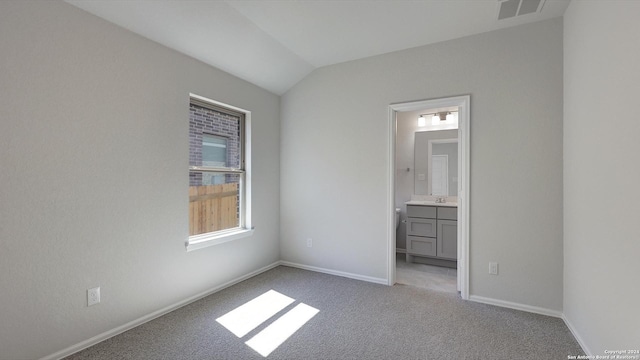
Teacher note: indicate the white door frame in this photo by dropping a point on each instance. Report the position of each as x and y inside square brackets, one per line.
[464, 116]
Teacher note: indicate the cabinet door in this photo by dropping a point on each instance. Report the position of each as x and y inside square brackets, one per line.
[418, 245]
[421, 227]
[448, 239]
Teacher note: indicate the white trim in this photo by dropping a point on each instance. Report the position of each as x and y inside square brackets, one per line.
[464, 165]
[156, 314]
[516, 306]
[391, 199]
[248, 181]
[217, 103]
[214, 238]
[577, 336]
[335, 272]
[464, 183]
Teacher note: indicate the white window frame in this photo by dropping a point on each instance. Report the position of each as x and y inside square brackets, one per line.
[245, 227]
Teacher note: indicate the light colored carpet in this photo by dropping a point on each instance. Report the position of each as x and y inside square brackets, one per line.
[356, 320]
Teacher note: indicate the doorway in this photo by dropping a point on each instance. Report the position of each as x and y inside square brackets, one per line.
[463, 105]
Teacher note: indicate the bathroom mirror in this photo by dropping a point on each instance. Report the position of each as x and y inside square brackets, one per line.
[436, 163]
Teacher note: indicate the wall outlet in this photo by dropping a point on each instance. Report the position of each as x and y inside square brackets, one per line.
[493, 268]
[93, 296]
[309, 242]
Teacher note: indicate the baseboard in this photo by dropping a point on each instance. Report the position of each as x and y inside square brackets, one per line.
[516, 306]
[336, 272]
[156, 314]
[401, 251]
[579, 339]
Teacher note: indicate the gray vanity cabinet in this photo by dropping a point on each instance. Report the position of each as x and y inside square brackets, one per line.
[432, 231]
[447, 239]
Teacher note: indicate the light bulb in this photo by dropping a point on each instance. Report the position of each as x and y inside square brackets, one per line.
[451, 117]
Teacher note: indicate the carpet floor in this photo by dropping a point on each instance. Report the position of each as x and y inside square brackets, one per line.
[356, 320]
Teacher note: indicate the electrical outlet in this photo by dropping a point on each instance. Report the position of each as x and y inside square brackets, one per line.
[493, 268]
[309, 242]
[93, 296]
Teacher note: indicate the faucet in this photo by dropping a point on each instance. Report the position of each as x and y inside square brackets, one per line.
[441, 199]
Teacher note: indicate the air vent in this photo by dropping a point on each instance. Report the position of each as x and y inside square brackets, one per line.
[513, 8]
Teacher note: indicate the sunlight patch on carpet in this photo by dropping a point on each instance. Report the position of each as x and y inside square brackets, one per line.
[247, 317]
[280, 330]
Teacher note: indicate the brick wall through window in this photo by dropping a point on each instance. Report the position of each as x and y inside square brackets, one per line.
[208, 121]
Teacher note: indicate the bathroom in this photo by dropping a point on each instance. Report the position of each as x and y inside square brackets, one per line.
[426, 189]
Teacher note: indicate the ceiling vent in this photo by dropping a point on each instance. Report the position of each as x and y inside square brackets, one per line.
[513, 8]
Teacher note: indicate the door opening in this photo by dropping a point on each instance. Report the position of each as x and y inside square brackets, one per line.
[462, 184]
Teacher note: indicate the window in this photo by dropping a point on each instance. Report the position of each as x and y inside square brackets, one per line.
[214, 154]
[218, 188]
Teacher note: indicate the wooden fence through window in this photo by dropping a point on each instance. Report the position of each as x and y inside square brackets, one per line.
[213, 208]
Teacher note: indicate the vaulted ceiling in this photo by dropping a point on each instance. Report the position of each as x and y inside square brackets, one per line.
[274, 44]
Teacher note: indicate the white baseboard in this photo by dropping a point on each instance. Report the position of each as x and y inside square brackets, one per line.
[516, 306]
[579, 339]
[336, 272]
[156, 314]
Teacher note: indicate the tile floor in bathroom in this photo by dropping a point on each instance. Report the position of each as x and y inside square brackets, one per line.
[425, 276]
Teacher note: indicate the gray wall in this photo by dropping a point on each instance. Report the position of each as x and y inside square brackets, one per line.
[602, 197]
[514, 77]
[94, 187]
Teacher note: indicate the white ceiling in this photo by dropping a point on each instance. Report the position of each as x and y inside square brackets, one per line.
[274, 44]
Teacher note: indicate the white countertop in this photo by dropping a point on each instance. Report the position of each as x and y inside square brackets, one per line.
[431, 203]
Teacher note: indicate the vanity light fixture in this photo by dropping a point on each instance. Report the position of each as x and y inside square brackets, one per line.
[439, 116]
[422, 121]
[442, 117]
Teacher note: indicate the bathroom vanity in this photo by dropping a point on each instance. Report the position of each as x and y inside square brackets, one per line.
[432, 233]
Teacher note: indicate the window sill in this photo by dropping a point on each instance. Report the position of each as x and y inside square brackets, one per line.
[205, 240]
